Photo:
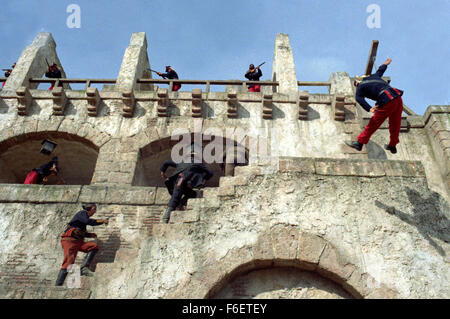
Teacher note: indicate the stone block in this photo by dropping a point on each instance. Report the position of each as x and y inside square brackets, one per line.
[263, 249]
[334, 266]
[93, 101]
[59, 100]
[24, 100]
[162, 196]
[310, 248]
[129, 103]
[285, 242]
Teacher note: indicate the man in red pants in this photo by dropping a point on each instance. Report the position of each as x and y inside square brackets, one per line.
[40, 175]
[389, 104]
[253, 74]
[72, 241]
[171, 74]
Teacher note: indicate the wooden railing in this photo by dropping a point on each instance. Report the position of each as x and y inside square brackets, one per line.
[87, 82]
[208, 83]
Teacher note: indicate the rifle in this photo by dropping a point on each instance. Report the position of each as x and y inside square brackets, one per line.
[260, 64]
[47, 62]
[10, 70]
[156, 73]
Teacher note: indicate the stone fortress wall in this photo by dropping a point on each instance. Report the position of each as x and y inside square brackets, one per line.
[325, 222]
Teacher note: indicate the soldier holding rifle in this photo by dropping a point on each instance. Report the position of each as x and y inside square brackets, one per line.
[170, 74]
[53, 72]
[253, 74]
[8, 73]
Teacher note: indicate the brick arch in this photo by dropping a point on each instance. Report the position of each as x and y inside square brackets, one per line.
[152, 155]
[67, 128]
[284, 246]
[77, 156]
[165, 142]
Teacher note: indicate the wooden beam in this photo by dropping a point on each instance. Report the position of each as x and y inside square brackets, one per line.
[372, 57]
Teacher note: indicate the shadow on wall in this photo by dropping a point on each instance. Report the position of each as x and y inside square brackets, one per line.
[426, 217]
[313, 114]
[375, 151]
[3, 107]
[107, 250]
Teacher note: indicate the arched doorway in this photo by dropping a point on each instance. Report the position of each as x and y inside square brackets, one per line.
[281, 283]
[154, 154]
[77, 158]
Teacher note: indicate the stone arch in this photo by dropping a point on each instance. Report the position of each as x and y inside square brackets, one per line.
[77, 156]
[153, 154]
[284, 246]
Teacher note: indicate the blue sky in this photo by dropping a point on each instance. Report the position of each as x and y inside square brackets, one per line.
[209, 39]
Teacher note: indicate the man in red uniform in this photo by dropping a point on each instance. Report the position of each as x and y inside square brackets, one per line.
[171, 74]
[54, 73]
[389, 104]
[8, 73]
[253, 74]
[40, 175]
[72, 241]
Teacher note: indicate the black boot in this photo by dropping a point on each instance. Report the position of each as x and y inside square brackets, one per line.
[355, 144]
[87, 261]
[61, 277]
[393, 149]
[166, 217]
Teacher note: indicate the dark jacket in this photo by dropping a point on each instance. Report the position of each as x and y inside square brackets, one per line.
[193, 174]
[55, 74]
[170, 75]
[373, 87]
[81, 220]
[44, 170]
[253, 76]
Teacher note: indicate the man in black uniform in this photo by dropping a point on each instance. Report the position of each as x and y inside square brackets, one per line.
[53, 72]
[389, 104]
[253, 74]
[187, 175]
[171, 74]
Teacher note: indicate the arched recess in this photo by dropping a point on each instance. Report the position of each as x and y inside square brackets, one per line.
[77, 157]
[309, 258]
[154, 154]
[282, 282]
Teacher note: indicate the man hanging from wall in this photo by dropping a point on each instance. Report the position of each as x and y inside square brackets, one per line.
[171, 74]
[53, 72]
[187, 175]
[72, 241]
[40, 175]
[389, 104]
[253, 74]
[8, 73]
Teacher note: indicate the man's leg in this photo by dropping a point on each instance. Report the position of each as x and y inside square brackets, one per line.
[395, 121]
[188, 193]
[70, 253]
[90, 248]
[377, 119]
[174, 201]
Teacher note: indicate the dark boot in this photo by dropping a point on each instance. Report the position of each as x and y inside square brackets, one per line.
[166, 217]
[87, 261]
[393, 149]
[354, 144]
[61, 277]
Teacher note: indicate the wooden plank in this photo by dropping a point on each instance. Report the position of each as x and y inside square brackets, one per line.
[372, 57]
